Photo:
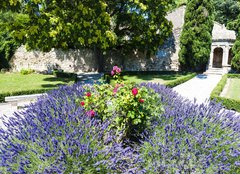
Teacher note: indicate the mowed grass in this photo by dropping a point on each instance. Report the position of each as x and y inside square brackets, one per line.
[156, 78]
[15, 82]
[233, 90]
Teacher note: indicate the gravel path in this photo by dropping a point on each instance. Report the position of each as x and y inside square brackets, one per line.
[199, 88]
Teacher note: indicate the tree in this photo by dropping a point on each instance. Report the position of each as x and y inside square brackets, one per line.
[236, 49]
[196, 39]
[102, 25]
[8, 44]
[226, 12]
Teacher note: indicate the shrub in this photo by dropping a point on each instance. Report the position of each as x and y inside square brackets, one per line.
[196, 39]
[227, 102]
[26, 71]
[55, 135]
[62, 74]
[133, 107]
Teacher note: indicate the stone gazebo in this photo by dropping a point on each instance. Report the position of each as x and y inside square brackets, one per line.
[221, 49]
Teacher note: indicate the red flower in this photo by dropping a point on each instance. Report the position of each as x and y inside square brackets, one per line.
[82, 103]
[88, 94]
[141, 100]
[134, 91]
[91, 113]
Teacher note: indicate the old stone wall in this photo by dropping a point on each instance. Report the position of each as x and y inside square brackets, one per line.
[69, 61]
[84, 60]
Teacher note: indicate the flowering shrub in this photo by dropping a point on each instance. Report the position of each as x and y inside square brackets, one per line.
[115, 73]
[55, 135]
[127, 106]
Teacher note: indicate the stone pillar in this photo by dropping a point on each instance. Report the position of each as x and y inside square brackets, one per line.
[211, 57]
[225, 56]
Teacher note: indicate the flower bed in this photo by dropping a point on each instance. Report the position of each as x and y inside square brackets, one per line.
[125, 128]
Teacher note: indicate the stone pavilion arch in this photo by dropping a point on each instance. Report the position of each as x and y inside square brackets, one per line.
[221, 49]
[217, 57]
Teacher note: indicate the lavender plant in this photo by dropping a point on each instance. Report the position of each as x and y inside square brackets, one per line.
[191, 138]
[55, 135]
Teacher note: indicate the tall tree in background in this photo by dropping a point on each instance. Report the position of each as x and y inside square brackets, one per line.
[102, 25]
[226, 12]
[8, 44]
[196, 39]
[236, 48]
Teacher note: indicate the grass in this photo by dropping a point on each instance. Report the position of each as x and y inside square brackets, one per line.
[233, 90]
[156, 78]
[16, 83]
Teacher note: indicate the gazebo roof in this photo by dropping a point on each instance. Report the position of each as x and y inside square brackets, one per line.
[221, 33]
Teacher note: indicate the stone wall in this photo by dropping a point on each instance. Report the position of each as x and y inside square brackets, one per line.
[69, 61]
[84, 60]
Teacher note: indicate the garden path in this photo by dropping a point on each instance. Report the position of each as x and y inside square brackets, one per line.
[199, 88]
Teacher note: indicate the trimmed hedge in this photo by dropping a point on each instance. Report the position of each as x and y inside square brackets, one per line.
[227, 102]
[107, 77]
[180, 80]
[61, 74]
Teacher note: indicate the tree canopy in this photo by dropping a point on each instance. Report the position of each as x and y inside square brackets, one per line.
[226, 12]
[139, 24]
[196, 39]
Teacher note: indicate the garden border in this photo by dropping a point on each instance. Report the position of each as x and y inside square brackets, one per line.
[227, 102]
[171, 84]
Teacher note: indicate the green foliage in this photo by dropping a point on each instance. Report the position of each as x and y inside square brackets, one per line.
[236, 52]
[8, 44]
[61, 74]
[100, 24]
[196, 39]
[226, 12]
[129, 107]
[227, 102]
[26, 71]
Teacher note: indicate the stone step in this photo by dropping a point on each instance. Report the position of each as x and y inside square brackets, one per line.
[217, 71]
[21, 98]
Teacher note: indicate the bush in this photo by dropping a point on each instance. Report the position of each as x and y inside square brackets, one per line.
[62, 74]
[132, 106]
[26, 71]
[227, 102]
[55, 135]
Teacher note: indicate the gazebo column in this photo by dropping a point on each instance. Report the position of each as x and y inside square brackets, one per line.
[225, 56]
[211, 57]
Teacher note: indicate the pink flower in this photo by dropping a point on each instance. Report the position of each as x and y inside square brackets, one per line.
[141, 100]
[91, 113]
[118, 70]
[88, 94]
[82, 103]
[112, 73]
[134, 91]
[115, 68]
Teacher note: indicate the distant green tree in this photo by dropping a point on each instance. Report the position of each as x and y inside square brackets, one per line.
[102, 25]
[226, 12]
[8, 44]
[196, 39]
[236, 49]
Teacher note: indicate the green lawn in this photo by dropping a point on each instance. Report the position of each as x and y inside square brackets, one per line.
[234, 89]
[156, 78]
[15, 83]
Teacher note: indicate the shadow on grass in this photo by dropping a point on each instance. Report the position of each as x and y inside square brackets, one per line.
[167, 77]
[52, 85]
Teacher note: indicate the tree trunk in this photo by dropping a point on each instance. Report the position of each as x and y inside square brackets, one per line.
[100, 58]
